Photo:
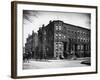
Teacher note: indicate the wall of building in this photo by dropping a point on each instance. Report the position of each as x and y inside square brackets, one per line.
[69, 38]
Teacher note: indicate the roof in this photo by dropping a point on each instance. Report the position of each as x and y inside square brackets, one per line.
[71, 24]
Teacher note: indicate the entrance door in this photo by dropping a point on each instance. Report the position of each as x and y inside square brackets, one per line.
[65, 49]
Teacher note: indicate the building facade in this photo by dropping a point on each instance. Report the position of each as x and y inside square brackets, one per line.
[46, 41]
[70, 40]
[31, 44]
[59, 40]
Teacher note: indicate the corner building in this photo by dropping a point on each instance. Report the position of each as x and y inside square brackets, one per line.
[31, 44]
[61, 40]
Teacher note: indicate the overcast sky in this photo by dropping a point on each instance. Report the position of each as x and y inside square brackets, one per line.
[32, 20]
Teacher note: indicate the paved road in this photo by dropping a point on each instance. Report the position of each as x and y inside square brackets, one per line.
[32, 64]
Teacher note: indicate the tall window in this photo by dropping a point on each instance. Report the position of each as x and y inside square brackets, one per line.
[59, 36]
[78, 47]
[57, 27]
[56, 46]
[81, 47]
[56, 36]
[60, 44]
[64, 36]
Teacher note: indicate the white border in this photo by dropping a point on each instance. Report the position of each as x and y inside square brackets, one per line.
[21, 72]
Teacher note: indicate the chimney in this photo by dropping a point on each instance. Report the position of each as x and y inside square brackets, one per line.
[50, 21]
[43, 25]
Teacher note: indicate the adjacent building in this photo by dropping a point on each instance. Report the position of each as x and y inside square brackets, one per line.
[31, 44]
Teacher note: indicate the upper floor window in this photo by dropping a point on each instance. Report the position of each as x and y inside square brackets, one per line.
[75, 32]
[59, 45]
[59, 34]
[56, 45]
[72, 31]
[78, 32]
[87, 39]
[56, 35]
[82, 47]
[58, 27]
[64, 36]
[84, 39]
[78, 37]
[81, 38]
[78, 47]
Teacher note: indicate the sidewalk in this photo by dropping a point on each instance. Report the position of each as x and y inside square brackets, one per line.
[33, 64]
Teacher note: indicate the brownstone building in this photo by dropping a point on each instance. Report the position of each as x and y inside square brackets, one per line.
[61, 40]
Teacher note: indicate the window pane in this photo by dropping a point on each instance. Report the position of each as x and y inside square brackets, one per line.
[59, 27]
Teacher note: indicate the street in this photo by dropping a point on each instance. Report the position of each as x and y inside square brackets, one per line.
[42, 64]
